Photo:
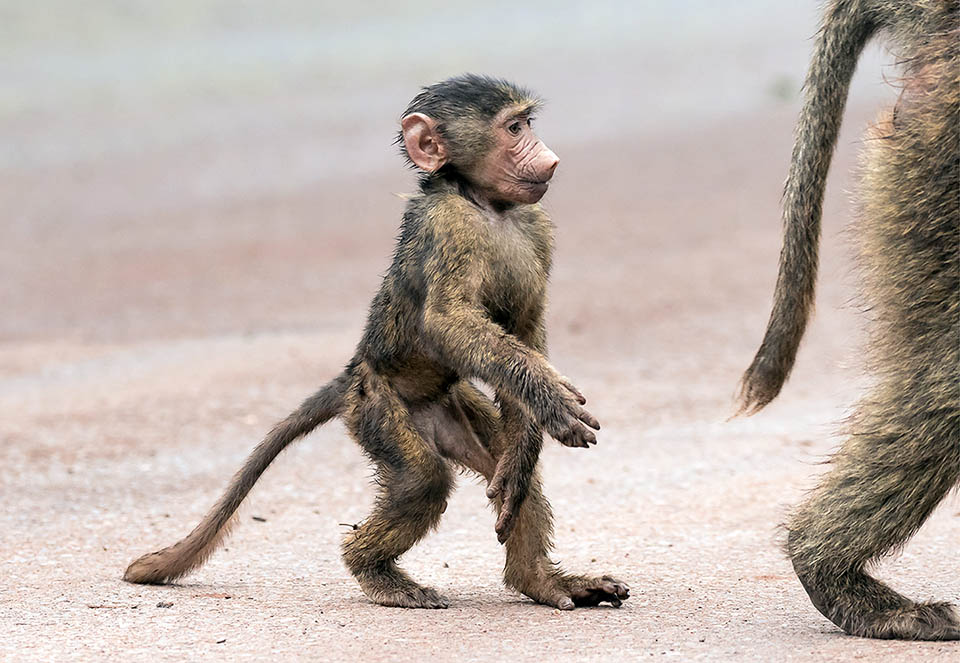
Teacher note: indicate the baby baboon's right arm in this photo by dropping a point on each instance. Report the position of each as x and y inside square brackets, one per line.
[465, 336]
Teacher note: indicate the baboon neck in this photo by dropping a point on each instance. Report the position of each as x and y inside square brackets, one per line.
[450, 180]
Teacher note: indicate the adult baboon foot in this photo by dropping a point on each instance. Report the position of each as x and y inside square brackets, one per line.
[865, 607]
[920, 621]
[567, 592]
[392, 587]
[916, 621]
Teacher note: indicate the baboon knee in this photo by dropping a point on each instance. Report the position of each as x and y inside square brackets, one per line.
[424, 488]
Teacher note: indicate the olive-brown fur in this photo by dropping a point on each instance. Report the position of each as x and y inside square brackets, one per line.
[902, 454]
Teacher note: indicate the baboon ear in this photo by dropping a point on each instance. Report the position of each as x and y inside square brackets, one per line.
[423, 142]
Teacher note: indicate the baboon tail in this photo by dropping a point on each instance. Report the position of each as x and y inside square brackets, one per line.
[191, 552]
[846, 29]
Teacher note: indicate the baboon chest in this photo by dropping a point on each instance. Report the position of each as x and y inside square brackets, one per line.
[515, 277]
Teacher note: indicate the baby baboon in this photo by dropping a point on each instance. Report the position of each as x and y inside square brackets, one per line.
[464, 298]
[903, 452]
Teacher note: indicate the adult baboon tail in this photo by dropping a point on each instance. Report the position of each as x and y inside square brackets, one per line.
[844, 33]
[191, 552]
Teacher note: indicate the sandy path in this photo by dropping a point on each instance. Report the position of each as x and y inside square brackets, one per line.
[158, 321]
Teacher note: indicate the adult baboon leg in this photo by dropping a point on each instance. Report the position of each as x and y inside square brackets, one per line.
[528, 568]
[885, 482]
[903, 454]
[414, 484]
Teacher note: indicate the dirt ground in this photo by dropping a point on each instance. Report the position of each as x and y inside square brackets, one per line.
[175, 277]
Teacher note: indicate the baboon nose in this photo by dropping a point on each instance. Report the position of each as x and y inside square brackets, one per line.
[550, 163]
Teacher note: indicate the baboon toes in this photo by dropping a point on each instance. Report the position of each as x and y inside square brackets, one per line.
[412, 597]
[397, 590]
[569, 592]
[601, 590]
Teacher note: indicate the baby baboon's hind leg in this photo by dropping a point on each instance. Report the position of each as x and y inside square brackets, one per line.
[530, 571]
[528, 567]
[414, 484]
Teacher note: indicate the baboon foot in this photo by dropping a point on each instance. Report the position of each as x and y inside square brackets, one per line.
[567, 592]
[394, 588]
[864, 607]
[919, 621]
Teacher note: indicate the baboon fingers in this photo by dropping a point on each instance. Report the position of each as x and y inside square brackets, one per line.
[510, 501]
[565, 381]
[504, 524]
[588, 437]
[577, 436]
[588, 419]
[495, 487]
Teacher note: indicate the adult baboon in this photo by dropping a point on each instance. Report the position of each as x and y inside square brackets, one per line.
[902, 455]
[464, 298]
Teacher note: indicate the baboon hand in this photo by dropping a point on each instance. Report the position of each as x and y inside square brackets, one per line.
[507, 484]
[570, 431]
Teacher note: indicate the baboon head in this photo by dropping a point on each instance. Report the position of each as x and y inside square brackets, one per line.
[480, 129]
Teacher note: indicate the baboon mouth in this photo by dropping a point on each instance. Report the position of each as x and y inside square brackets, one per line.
[536, 183]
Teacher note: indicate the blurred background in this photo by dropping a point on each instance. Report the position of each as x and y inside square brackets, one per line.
[197, 200]
[142, 142]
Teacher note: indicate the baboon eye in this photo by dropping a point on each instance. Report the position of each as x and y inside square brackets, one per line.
[530, 122]
[514, 128]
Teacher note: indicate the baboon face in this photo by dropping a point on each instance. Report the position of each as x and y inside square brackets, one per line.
[518, 166]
